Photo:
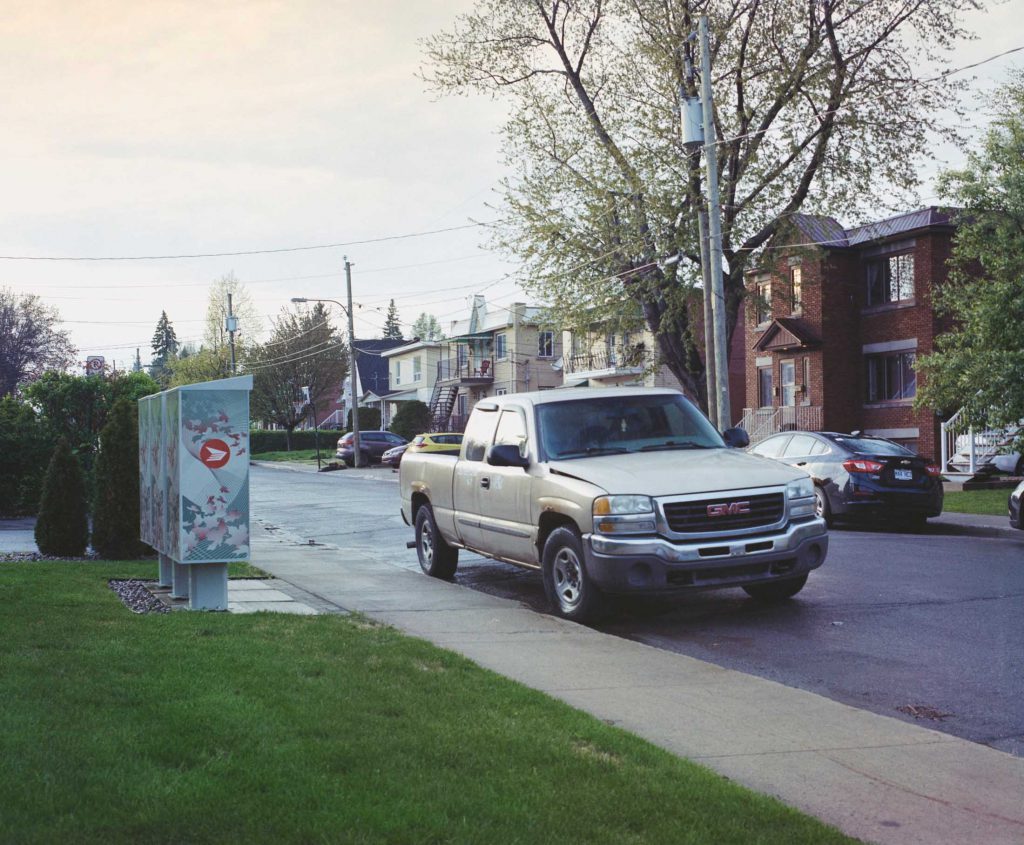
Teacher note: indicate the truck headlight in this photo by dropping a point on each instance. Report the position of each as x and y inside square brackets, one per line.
[624, 515]
[800, 489]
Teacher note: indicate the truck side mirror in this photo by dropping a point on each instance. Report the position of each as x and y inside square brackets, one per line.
[506, 455]
[736, 438]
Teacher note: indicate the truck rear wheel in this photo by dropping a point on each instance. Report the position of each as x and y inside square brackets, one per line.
[437, 558]
[570, 590]
[776, 591]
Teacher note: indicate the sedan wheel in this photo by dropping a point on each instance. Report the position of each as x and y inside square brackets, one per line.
[822, 510]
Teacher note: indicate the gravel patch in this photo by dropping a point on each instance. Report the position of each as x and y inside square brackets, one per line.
[33, 557]
[136, 596]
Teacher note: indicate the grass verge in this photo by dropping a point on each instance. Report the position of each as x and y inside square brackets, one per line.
[205, 727]
[985, 502]
[301, 455]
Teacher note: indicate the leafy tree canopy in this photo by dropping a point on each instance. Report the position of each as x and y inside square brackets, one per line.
[30, 341]
[250, 323]
[304, 350]
[979, 364]
[427, 327]
[203, 365]
[817, 105]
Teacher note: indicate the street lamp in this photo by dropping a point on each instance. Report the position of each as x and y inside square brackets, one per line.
[352, 357]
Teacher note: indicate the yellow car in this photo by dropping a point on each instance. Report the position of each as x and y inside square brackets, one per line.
[448, 442]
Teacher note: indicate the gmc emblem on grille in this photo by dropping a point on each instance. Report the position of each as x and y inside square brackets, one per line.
[730, 509]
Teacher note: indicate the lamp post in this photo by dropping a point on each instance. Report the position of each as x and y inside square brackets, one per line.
[352, 360]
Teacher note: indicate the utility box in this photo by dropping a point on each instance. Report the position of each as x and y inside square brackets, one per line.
[691, 117]
[194, 485]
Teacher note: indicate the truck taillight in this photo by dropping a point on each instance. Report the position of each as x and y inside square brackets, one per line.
[862, 465]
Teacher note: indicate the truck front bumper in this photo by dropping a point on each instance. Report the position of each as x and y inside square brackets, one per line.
[655, 565]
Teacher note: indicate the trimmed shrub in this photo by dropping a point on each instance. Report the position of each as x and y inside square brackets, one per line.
[115, 519]
[412, 418]
[25, 448]
[369, 419]
[62, 529]
[274, 441]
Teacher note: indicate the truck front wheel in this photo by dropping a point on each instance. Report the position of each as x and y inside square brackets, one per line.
[569, 589]
[437, 558]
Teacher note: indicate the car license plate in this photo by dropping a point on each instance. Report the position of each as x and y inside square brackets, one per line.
[903, 474]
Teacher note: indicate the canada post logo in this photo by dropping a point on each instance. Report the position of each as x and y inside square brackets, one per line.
[729, 509]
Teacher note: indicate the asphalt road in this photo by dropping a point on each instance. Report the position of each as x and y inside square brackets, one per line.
[926, 628]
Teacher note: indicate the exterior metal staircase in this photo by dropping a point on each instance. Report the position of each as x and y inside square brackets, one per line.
[442, 401]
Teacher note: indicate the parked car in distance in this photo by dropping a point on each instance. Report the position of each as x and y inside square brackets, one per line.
[1016, 504]
[447, 442]
[393, 457]
[857, 475]
[372, 446]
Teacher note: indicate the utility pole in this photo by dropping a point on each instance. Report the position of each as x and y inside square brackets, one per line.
[231, 324]
[724, 412]
[709, 331]
[356, 462]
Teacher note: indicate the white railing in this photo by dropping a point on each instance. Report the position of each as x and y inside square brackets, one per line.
[760, 423]
[333, 420]
[966, 449]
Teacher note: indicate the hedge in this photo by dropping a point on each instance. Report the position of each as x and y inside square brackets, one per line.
[274, 441]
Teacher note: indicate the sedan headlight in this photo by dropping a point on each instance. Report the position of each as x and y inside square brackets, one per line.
[624, 515]
[801, 489]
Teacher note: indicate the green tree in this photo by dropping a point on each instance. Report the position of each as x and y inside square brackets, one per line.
[392, 325]
[304, 350]
[25, 447]
[412, 418]
[115, 527]
[30, 341]
[215, 335]
[427, 327]
[369, 419]
[203, 365]
[165, 348]
[818, 104]
[62, 529]
[979, 363]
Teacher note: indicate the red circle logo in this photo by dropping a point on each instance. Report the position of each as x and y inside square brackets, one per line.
[215, 453]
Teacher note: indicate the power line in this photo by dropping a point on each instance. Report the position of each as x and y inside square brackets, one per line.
[241, 252]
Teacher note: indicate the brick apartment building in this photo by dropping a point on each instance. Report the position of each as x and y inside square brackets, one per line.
[835, 323]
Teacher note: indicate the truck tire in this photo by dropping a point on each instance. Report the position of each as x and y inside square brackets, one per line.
[572, 593]
[437, 558]
[776, 591]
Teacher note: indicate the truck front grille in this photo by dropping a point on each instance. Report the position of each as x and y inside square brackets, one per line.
[726, 514]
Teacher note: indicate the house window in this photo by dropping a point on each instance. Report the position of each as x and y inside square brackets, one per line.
[501, 391]
[500, 351]
[417, 368]
[763, 301]
[796, 290]
[891, 377]
[807, 381]
[398, 372]
[546, 344]
[460, 354]
[787, 376]
[764, 387]
[890, 279]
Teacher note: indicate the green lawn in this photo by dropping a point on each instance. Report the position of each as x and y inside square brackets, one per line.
[990, 502]
[201, 727]
[296, 455]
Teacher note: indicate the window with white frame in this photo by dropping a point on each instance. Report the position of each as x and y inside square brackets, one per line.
[891, 377]
[398, 372]
[417, 368]
[546, 344]
[796, 290]
[764, 387]
[500, 349]
[762, 301]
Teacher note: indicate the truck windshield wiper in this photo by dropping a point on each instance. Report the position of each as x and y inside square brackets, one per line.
[592, 450]
[673, 445]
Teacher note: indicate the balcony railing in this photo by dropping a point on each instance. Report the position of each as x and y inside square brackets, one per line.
[618, 358]
[760, 423]
[477, 371]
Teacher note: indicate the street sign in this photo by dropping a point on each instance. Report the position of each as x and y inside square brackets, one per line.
[94, 365]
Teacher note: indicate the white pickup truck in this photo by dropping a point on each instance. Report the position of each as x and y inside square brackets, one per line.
[616, 490]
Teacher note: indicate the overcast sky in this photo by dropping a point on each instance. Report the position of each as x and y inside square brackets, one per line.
[195, 127]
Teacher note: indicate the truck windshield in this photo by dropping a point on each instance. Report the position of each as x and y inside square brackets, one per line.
[578, 428]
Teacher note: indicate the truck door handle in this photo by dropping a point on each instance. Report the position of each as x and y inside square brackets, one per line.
[485, 483]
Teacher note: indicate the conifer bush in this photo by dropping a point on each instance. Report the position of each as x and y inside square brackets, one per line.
[62, 529]
[115, 522]
[412, 418]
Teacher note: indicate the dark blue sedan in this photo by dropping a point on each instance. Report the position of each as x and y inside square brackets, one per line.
[857, 475]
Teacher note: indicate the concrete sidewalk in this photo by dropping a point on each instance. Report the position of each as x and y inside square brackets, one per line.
[874, 777]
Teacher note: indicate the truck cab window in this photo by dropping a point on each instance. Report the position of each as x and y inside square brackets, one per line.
[479, 434]
[512, 431]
